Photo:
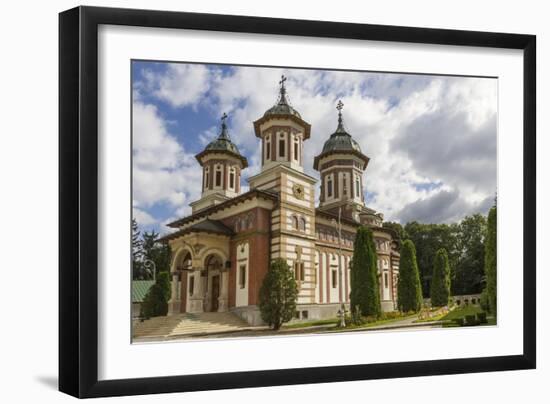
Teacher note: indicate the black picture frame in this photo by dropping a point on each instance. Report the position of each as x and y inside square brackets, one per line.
[78, 200]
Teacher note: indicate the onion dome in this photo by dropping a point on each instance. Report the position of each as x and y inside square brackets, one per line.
[223, 144]
[282, 109]
[340, 141]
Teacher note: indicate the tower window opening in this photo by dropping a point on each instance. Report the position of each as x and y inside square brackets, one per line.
[329, 187]
[281, 147]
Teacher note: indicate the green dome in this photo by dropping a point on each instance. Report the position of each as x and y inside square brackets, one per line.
[223, 143]
[341, 140]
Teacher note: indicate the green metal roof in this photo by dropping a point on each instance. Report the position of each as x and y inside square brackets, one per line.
[140, 289]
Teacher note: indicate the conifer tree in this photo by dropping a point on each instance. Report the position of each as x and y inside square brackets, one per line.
[365, 289]
[441, 283]
[491, 260]
[409, 289]
[278, 294]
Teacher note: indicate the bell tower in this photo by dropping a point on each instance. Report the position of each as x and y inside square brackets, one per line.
[341, 165]
[283, 132]
[221, 164]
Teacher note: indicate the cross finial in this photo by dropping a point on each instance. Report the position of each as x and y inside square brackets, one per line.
[224, 117]
[339, 106]
[282, 97]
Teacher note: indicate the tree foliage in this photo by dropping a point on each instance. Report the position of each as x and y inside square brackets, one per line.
[469, 271]
[399, 232]
[156, 300]
[148, 253]
[491, 260]
[441, 281]
[409, 288]
[137, 252]
[278, 294]
[365, 290]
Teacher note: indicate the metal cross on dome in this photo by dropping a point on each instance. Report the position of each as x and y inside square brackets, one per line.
[283, 79]
[339, 106]
[224, 117]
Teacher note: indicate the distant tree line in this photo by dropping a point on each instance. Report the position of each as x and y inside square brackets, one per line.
[149, 255]
[463, 243]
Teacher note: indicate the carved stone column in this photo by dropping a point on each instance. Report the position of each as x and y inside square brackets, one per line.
[197, 298]
[222, 300]
[175, 299]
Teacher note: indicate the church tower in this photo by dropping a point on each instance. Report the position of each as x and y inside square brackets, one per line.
[341, 165]
[221, 164]
[283, 132]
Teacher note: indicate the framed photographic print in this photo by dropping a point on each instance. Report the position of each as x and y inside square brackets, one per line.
[251, 201]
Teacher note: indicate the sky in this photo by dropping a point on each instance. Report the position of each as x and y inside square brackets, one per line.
[432, 140]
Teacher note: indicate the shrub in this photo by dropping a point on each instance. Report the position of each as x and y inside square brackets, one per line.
[470, 319]
[155, 302]
[491, 260]
[365, 290]
[409, 289]
[440, 290]
[459, 321]
[278, 294]
[482, 317]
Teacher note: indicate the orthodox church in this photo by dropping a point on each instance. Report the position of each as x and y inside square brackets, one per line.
[222, 251]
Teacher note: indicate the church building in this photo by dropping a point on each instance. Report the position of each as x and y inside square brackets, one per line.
[222, 251]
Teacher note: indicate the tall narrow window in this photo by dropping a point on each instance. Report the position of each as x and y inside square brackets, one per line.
[206, 177]
[242, 276]
[386, 280]
[268, 147]
[296, 145]
[282, 146]
[329, 187]
[357, 187]
[334, 278]
[302, 224]
[232, 179]
[302, 272]
[299, 271]
[295, 222]
[218, 178]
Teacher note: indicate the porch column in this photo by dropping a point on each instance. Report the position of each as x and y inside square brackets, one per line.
[222, 300]
[197, 298]
[175, 298]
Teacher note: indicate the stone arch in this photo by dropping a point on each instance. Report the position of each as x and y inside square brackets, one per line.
[211, 251]
[180, 254]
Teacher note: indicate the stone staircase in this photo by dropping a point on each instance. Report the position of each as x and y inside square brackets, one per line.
[188, 324]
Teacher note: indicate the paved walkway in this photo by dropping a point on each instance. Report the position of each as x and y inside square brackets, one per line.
[224, 325]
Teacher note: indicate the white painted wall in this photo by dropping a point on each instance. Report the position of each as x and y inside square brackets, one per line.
[241, 294]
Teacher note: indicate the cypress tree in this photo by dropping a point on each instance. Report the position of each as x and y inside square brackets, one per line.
[409, 289]
[441, 283]
[155, 302]
[278, 294]
[365, 289]
[491, 260]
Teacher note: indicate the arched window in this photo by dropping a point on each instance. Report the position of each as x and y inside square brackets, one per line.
[206, 177]
[282, 145]
[295, 222]
[302, 224]
[329, 186]
[268, 147]
[232, 178]
[357, 186]
[218, 176]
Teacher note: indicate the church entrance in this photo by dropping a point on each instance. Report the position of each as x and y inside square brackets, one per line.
[214, 305]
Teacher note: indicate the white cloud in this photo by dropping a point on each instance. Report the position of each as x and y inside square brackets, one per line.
[416, 129]
[180, 85]
[162, 171]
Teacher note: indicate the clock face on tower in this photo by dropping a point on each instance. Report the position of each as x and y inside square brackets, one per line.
[298, 191]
